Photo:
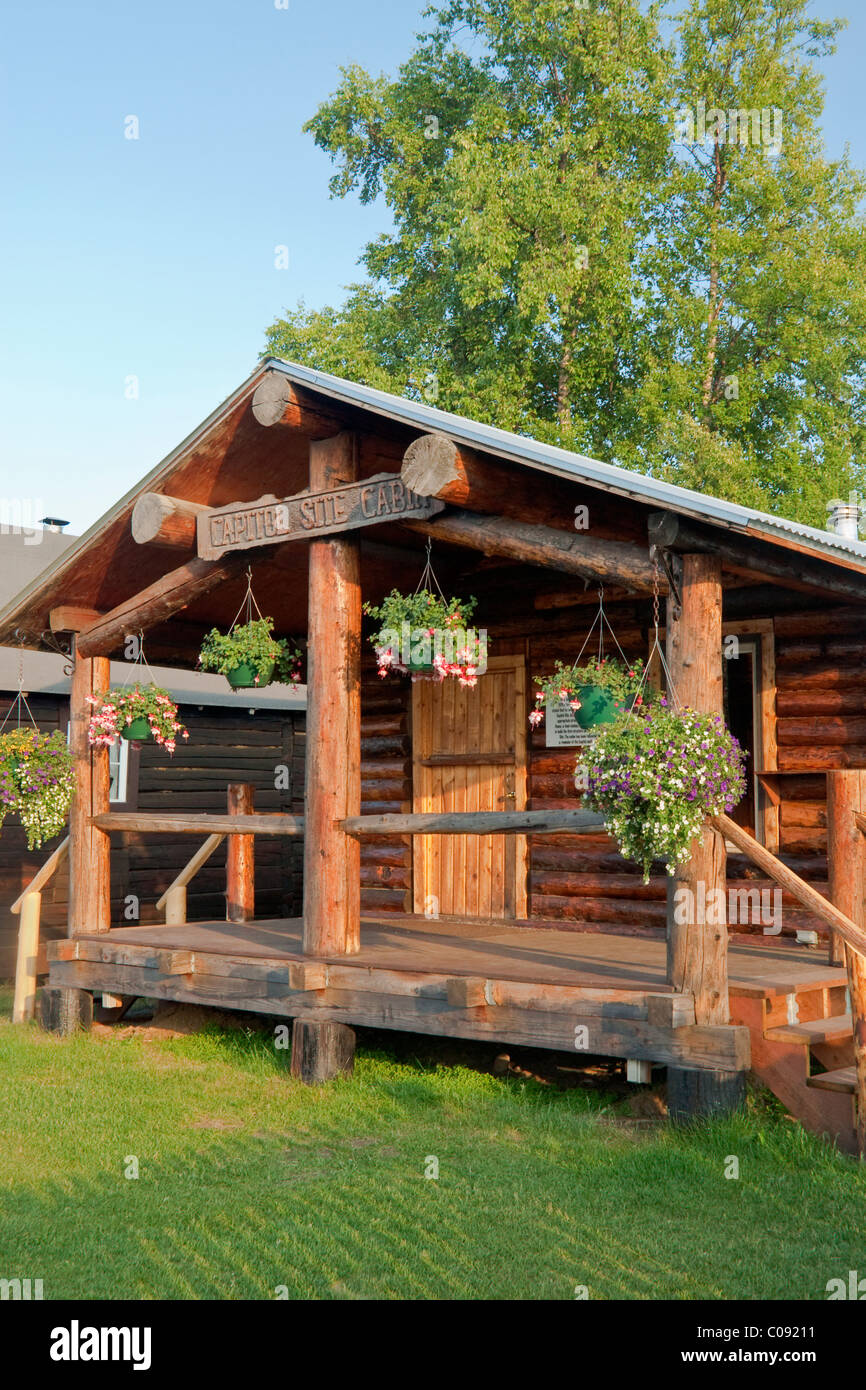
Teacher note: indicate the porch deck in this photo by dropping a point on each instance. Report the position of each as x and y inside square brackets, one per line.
[530, 984]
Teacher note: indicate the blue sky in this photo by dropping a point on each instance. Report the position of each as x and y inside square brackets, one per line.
[154, 258]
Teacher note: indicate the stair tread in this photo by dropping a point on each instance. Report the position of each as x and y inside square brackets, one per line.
[843, 1079]
[817, 1030]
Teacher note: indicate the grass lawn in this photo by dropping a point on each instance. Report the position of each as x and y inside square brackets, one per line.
[249, 1181]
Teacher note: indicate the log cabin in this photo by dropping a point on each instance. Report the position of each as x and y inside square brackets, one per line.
[452, 882]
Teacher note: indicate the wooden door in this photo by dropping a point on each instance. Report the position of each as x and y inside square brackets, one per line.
[469, 754]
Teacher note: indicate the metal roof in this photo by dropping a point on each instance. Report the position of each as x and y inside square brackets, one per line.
[550, 459]
[640, 487]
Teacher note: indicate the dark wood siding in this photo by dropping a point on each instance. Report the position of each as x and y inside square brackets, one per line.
[225, 745]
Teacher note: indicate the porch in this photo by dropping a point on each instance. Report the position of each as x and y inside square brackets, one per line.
[527, 983]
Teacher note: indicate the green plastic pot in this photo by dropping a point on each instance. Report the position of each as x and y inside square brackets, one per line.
[137, 730]
[243, 677]
[597, 706]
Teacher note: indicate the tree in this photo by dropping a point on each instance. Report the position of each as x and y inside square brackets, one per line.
[632, 249]
[755, 316]
[520, 179]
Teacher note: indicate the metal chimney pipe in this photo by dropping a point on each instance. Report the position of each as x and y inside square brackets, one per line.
[844, 519]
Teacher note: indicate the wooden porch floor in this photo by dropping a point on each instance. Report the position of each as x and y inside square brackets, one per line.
[514, 983]
[539, 953]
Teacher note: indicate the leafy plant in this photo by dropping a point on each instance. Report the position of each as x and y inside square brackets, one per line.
[36, 782]
[252, 644]
[657, 776]
[114, 710]
[625, 684]
[425, 629]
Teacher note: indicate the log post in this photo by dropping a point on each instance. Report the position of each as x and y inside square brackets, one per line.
[89, 846]
[321, 1051]
[28, 951]
[846, 851]
[332, 859]
[697, 932]
[240, 858]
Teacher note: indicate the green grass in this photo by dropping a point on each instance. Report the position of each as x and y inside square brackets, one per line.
[249, 1181]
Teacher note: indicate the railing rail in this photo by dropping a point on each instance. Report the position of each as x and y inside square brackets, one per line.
[786, 878]
[173, 899]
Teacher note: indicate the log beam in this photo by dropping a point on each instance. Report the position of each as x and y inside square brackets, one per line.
[155, 604]
[570, 552]
[756, 556]
[89, 845]
[278, 401]
[697, 952]
[169, 522]
[435, 466]
[332, 859]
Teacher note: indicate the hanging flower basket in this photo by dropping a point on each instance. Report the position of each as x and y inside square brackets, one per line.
[249, 656]
[425, 635]
[656, 777]
[36, 782]
[599, 691]
[140, 713]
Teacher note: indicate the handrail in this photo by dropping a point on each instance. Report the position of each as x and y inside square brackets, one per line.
[41, 877]
[191, 868]
[577, 822]
[786, 878]
[157, 823]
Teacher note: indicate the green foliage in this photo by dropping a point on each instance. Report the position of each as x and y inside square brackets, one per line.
[252, 644]
[623, 682]
[36, 782]
[423, 609]
[249, 1180]
[115, 710]
[655, 777]
[567, 262]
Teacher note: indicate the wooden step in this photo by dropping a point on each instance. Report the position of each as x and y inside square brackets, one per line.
[844, 1080]
[819, 1030]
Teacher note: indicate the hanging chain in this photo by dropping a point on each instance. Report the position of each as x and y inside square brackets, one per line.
[656, 592]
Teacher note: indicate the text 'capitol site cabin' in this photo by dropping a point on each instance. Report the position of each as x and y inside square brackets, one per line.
[453, 881]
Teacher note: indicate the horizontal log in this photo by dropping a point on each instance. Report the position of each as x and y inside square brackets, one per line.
[792, 703]
[169, 522]
[474, 823]
[572, 552]
[434, 465]
[806, 895]
[724, 1047]
[756, 555]
[807, 759]
[277, 401]
[597, 885]
[274, 823]
[154, 604]
[822, 729]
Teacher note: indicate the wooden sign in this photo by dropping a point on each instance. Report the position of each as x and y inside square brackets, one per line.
[272, 520]
[561, 728]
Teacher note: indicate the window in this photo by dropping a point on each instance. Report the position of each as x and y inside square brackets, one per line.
[118, 765]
